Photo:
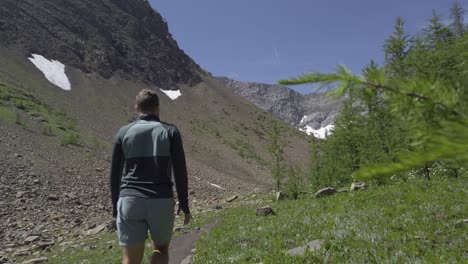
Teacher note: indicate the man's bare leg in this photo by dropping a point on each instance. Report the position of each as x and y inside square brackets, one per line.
[160, 254]
[133, 254]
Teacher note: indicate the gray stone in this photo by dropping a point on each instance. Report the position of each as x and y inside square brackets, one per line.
[460, 223]
[38, 260]
[22, 252]
[96, 230]
[357, 186]
[281, 196]
[31, 239]
[264, 211]
[232, 198]
[45, 244]
[312, 246]
[325, 192]
[187, 260]
[52, 198]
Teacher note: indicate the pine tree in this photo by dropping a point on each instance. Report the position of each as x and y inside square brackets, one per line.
[395, 48]
[276, 150]
[457, 14]
[436, 32]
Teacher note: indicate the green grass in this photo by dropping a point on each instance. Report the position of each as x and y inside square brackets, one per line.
[16, 105]
[7, 114]
[408, 222]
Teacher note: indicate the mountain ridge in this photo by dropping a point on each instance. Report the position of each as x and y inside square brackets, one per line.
[304, 111]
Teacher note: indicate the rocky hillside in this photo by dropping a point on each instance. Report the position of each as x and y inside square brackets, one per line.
[110, 37]
[306, 112]
[56, 142]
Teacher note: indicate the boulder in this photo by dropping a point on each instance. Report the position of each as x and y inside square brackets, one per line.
[325, 192]
[357, 186]
[312, 246]
[264, 211]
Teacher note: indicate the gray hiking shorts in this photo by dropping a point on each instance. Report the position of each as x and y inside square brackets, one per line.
[135, 216]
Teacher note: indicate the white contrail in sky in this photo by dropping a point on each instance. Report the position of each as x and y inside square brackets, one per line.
[276, 52]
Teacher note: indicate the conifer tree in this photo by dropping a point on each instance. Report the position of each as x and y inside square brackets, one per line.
[395, 48]
[457, 14]
[276, 150]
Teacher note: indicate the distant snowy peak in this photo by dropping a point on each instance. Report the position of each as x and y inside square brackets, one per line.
[53, 70]
[321, 133]
[172, 94]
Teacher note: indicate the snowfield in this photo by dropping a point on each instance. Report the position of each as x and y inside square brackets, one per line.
[53, 70]
[172, 94]
[321, 133]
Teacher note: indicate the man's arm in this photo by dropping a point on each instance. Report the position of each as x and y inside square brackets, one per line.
[116, 173]
[180, 170]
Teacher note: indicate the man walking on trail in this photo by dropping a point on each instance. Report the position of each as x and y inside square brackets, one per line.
[145, 151]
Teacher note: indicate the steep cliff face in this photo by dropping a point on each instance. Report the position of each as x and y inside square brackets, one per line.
[112, 37]
[313, 110]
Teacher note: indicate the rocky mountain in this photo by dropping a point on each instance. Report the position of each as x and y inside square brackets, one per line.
[111, 37]
[312, 113]
[69, 73]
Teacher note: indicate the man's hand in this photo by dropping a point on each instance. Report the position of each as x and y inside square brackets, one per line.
[187, 217]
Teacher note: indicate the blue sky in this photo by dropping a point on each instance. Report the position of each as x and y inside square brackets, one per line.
[268, 40]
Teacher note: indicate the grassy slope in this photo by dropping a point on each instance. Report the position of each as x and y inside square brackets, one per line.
[400, 223]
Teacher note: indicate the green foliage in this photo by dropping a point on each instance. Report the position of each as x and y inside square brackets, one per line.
[70, 139]
[403, 222]
[276, 150]
[17, 104]
[295, 182]
[19, 119]
[457, 14]
[409, 115]
[47, 130]
[396, 47]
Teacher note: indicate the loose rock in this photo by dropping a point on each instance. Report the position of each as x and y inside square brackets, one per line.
[38, 260]
[357, 186]
[232, 198]
[264, 211]
[22, 252]
[96, 230]
[280, 196]
[31, 239]
[460, 223]
[312, 246]
[325, 192]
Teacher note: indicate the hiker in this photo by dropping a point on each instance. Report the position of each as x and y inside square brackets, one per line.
[146, 151]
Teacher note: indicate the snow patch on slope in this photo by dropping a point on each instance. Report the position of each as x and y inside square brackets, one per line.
[303, 119]
[53, 70]
[172, 94]
[321, 133]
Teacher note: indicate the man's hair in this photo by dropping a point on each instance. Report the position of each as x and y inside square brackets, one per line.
[147, 100]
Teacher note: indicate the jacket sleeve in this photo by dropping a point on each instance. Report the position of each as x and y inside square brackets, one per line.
[116, 173]
[180, 170]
